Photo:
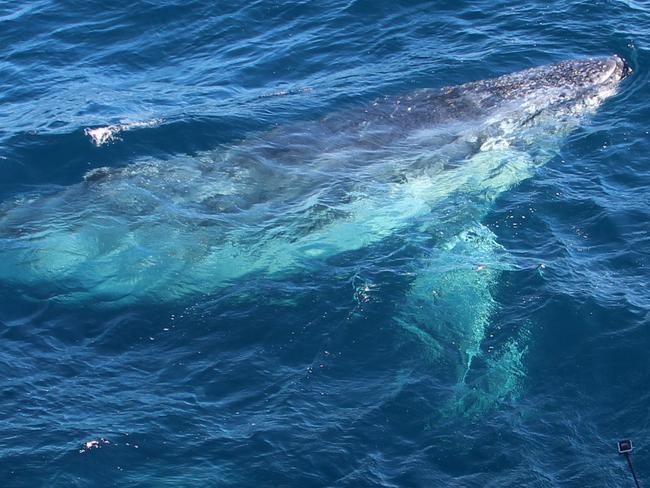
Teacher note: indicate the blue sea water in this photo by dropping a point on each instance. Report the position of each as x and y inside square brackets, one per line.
[311, 379]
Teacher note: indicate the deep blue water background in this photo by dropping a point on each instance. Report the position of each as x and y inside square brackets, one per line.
[310, 384]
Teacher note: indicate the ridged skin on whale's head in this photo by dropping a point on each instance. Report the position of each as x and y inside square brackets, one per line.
[578, 84]
[554, 96]
[575, 74]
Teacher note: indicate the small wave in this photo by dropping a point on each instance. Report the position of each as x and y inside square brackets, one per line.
[284, 93]
[103, 135]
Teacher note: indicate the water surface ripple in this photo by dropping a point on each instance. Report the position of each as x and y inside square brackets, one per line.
[315, 371]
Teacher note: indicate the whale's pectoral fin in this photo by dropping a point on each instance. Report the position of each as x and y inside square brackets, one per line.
[496, 376]
[450, 300]
[449, 309]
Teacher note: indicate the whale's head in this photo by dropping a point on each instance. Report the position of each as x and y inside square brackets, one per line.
[553, 97]
[585, 74]
[567, 88]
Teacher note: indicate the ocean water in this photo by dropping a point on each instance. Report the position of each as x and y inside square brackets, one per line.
[252, 316]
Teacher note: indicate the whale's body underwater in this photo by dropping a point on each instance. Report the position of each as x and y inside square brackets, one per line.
[427, 162]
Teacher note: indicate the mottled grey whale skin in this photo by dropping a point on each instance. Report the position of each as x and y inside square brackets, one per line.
[566, 82]
[160, 230]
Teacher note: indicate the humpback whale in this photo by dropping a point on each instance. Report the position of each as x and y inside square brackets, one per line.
[426, 161]
[423, 167]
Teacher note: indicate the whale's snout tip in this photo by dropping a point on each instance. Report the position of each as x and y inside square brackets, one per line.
[623, 66]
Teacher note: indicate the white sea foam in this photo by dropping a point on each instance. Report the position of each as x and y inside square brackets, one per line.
[103, 135]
